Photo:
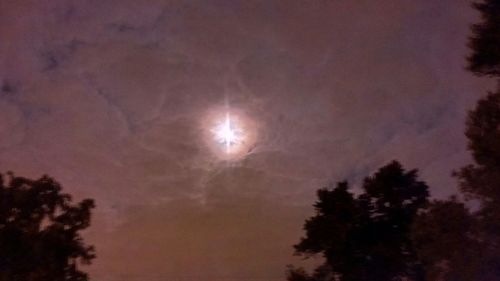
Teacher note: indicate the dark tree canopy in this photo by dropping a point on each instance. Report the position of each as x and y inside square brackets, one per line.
[40, 231]
[366, 237]
[445, 237]
[485, 40]
[479, 258]
[481, 180]
[454, 244]
[482, 131]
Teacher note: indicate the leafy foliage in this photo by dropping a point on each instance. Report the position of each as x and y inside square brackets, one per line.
[366, 237]
[485, 40]
[481, 180]
[39, 231]
[445, 237]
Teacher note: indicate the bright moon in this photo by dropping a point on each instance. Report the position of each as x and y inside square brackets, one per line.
[228, 134]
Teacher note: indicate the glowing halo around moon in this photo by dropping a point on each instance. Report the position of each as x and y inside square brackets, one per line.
[229, 133]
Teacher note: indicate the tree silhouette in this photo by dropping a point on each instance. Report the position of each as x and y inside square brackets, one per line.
[485, 40]
[40, 231]
[445, 238]
[366, 237]
[481, 180]
[453, 243]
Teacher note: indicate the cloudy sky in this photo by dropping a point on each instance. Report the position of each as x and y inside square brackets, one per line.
[115, 100]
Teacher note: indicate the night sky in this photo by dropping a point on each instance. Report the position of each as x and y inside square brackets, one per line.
[117, 101]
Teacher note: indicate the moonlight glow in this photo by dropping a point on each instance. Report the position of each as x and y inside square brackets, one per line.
[228, 134]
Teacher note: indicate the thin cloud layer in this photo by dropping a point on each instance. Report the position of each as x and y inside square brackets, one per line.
[110, 98]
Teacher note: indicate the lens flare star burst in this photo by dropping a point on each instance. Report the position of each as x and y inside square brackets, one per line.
[228, 134]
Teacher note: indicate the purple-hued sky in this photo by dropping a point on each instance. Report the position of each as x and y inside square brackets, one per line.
[112, 99]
